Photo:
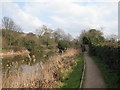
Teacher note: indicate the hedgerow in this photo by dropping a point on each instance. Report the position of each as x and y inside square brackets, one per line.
[109, 55]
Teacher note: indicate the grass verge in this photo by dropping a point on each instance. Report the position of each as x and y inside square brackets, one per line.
[72, 78]
[109, 77]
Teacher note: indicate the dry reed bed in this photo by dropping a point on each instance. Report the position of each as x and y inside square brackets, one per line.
[12, 53]
[41, 75]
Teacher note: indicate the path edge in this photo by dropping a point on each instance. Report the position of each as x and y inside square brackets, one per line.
[83, 73]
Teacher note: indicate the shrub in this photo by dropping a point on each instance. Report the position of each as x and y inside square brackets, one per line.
[29, 44]
[62, 45]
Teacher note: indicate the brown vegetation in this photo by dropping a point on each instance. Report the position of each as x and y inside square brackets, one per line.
[12, 53]
[42, 75]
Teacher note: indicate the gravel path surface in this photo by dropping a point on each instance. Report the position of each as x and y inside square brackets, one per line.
[93, 77]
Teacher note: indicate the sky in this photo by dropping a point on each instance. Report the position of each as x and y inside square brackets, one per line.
[72, 16]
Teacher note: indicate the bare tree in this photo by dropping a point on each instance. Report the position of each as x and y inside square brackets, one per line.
[68, 37]
[83, 34]
[59, 34]
[112, 38]
[40, 31]
[8, 23]
[18, 28]
[48, 33]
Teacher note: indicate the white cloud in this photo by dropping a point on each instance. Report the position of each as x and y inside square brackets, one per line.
[25, 20]
[60, 0]
[79, 17]
[66, 14]
[58, 20]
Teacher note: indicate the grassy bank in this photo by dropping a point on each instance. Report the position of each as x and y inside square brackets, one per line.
[71, 78]
[109, 77]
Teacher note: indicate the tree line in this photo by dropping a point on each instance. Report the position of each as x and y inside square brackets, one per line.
[43, 41]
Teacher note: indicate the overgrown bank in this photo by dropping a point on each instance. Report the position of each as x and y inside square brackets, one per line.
[42, 74]
[71, 78]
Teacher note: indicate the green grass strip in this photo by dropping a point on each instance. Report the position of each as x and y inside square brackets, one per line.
[73, 76]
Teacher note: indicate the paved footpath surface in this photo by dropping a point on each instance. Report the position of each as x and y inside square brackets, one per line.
[93, 77]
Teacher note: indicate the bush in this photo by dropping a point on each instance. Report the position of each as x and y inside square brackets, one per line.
[62, 45]
[29, 44]
[50, 47]
[83, 48]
